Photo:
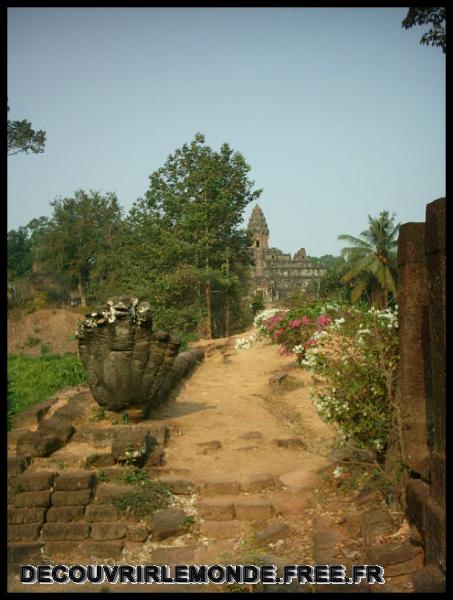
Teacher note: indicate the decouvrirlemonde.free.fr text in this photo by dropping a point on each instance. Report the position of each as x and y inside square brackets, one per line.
[201, 574]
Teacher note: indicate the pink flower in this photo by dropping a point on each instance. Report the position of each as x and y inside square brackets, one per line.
[310, 342]
[296, 323]
[278, 333]
[271, 322]
[306, 321]
[324, 320]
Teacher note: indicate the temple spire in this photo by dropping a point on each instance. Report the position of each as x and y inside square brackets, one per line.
[258, 227]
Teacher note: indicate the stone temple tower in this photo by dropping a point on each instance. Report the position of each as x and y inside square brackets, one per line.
[276, 275]
[259, 228]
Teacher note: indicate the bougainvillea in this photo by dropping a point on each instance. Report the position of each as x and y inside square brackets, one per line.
[354, 352]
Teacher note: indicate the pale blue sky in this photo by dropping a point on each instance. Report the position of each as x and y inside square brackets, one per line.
[339, 111]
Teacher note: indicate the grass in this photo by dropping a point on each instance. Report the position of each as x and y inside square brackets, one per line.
[34, 379]
[144, 500]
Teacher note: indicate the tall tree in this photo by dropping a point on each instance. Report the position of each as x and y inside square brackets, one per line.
[432, 15]
[23, 138]
[373, 258]
[194, 210]
[20, 258]
[78, 236]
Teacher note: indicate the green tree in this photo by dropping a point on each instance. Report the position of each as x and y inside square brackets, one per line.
[77, 238]
[190, 220]
[330, 284]
[23, 138]
[432, 15]
[20, 258]
[373, 260]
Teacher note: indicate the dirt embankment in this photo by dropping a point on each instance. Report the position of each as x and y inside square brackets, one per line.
[53, 327]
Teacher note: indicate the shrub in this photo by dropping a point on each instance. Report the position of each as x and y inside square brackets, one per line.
[354, 349]
[143, 501]
[32, 341]
[45, 349]
[293, 329]
[357, 358]
[136, 476]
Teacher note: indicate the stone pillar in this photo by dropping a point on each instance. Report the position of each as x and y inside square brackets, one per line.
[435, 256]
[414, 343]
[421, 386]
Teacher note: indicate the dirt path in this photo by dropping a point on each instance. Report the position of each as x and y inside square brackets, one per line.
[229, 402]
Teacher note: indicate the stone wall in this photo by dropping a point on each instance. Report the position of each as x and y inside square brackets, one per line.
[277, 275]
[421, 388]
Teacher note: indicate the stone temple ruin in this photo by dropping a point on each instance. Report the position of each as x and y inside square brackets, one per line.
[277, 275]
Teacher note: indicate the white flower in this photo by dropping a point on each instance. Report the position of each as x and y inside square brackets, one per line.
[363, 331]
[242, 344]
[337, 472]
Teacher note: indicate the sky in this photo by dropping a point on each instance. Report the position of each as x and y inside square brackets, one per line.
[340, 112]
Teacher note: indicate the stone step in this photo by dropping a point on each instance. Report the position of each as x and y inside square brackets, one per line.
[242, 508]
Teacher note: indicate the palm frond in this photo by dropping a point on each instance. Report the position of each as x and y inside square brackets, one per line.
[384, 276]
[354, 240]
[359, 289]
[361, 266]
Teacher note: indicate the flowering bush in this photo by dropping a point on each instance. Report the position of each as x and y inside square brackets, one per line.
[357, 358]
[244, 343]
[264, 315]
[293, 329]
[354, 349]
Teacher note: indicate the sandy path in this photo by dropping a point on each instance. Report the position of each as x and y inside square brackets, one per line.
[228, 397]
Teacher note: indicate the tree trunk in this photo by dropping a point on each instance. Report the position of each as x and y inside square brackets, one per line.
[227, 315]
[227, 299]
[207, 291]
[83, 293]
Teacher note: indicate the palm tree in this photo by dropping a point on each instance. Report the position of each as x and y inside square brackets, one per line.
[373, 259]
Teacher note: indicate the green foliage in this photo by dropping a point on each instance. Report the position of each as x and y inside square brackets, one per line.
[184, 244]
[136, 476]
[186, 339]
[143, 501]
[354, 349]
[19, 252]
[372, 260]
[357, 358]
[45, 349]
[33, 380]
[77, 239]
[91, 460]
[188, 521]
[103, 477]
[432, 15]
[32, 341]
[257, 304]
[22, 138]
[330, 285]
[11, 404]
[98, 414]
